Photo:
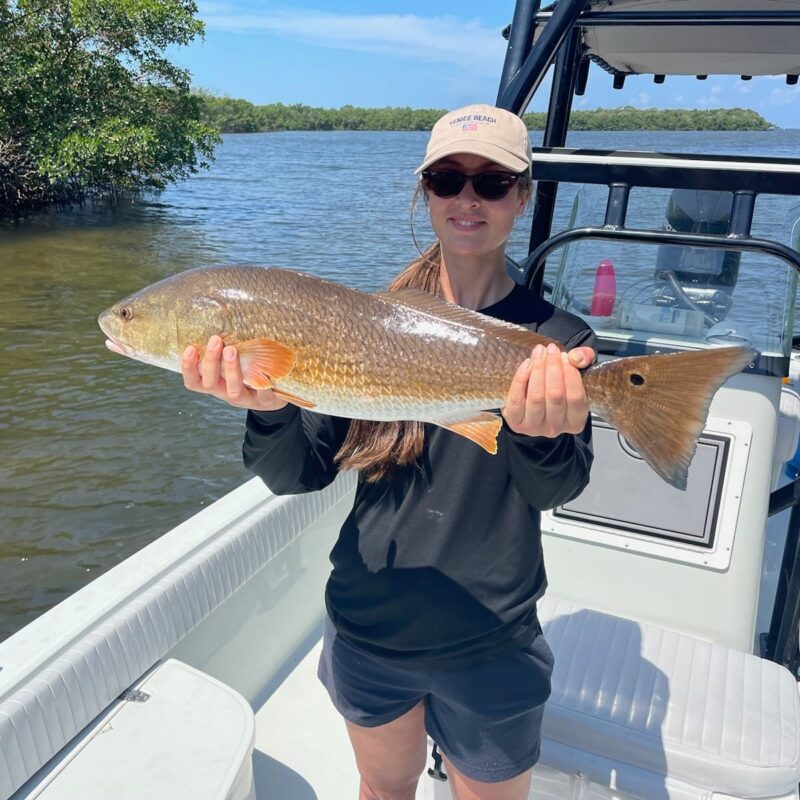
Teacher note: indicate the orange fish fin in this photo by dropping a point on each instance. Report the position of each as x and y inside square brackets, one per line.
[293, 399]
[257, 380]
[481, 428]
[436, 306]
[263, 360]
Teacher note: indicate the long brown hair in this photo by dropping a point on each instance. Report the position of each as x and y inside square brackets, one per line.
[376, 448]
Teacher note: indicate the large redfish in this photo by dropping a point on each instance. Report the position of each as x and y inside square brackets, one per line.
[405, 355]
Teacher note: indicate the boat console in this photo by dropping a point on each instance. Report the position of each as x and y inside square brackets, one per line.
[653, 595]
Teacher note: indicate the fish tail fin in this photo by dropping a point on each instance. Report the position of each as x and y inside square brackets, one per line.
[660, 403]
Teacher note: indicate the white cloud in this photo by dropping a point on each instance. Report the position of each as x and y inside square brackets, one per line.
[712, 99]
[709, 100]
[466, 43]
[784, 97]
[643, 99]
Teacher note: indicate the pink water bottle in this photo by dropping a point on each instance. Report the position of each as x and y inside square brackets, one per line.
[605, 290]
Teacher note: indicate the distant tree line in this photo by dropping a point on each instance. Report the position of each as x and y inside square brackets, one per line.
[667, 119]
[229, 115]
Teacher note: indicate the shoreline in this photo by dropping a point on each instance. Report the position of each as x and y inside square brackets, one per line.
[774, 129]
[232, 115]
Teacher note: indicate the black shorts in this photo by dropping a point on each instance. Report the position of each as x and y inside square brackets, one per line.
[486, 719]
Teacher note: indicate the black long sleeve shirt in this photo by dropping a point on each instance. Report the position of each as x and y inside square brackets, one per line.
[440, 563]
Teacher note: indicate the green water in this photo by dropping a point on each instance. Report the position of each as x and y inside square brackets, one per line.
[98, 456]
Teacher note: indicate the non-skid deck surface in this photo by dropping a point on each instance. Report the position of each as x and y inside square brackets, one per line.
[302, 750]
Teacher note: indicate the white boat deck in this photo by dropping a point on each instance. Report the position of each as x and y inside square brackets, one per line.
[302, 749]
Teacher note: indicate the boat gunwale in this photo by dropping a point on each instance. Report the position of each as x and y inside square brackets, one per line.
[144, 607]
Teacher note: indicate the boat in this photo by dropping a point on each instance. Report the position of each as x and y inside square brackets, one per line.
[189, 670]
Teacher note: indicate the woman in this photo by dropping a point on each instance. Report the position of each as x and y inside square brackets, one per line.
[432, 599]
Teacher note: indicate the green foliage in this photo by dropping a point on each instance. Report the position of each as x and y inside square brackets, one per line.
[89, 105]
[240, 116]
[673, 119]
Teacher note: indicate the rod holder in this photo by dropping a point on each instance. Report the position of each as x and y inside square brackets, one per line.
[617, 205]
[744, 203]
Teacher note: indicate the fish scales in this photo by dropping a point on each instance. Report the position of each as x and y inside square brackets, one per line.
[387, 360]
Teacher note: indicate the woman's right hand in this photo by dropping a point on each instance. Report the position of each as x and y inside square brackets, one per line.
[219, 374]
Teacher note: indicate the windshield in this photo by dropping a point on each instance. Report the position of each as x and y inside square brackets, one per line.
[680, 295]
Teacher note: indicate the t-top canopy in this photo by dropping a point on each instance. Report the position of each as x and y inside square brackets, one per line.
[738, 42]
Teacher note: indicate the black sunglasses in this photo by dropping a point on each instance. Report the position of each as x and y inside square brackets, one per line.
[488, 185]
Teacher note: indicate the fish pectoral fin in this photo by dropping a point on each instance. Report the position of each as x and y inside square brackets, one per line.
[264, 360]
[293, 398]
[481, 428]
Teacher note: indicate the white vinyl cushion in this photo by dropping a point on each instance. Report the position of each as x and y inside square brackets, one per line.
[668, 703]
[191, 739]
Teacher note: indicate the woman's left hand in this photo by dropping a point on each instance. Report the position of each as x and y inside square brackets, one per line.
[547, 397]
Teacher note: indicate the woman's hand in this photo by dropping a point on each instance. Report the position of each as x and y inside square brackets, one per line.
[547, 397]
[220, 375]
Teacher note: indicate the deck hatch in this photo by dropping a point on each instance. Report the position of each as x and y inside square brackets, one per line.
[624, 494]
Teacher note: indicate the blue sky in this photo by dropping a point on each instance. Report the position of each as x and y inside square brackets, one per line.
[421, 54]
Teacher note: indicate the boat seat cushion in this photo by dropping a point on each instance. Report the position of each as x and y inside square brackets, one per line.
[661, 701]
[180, 734]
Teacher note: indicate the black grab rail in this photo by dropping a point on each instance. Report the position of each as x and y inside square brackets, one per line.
[527, 271]
[531, 265]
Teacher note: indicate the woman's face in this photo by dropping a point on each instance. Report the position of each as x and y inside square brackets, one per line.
[467, 224]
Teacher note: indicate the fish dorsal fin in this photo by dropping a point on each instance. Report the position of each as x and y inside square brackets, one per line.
[431, 304]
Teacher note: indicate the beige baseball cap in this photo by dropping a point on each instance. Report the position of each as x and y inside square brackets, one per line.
[481, 130]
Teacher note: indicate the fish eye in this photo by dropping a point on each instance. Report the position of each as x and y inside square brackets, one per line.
[126, 312]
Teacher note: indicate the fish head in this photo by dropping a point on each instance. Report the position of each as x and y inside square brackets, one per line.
[156, 324]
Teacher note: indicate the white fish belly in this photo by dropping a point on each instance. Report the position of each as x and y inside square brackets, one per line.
[389, 409]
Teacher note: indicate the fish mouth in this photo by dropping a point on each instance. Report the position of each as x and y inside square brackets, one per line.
[170, 362]
[117, 347]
